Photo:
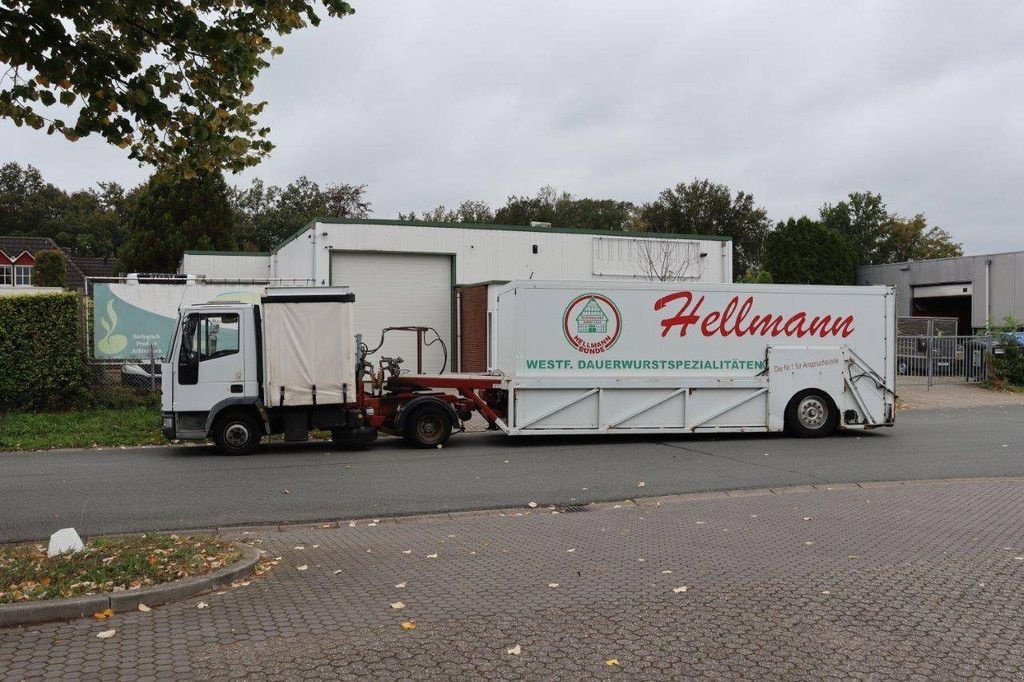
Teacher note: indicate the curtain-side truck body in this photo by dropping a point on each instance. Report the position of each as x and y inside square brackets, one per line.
[568, 358]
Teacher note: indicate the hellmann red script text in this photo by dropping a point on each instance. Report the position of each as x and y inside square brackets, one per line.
[736, 320]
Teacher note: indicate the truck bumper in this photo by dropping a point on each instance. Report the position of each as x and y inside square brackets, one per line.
[168, 428]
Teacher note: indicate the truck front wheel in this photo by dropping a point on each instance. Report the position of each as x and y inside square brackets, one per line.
[428, 427]
[811, 414]
[237, 433]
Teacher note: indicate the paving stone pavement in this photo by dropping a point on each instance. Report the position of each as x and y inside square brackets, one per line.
[880, 581]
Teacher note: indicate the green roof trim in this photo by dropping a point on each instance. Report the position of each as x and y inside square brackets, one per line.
[227, 253]
[488, 226]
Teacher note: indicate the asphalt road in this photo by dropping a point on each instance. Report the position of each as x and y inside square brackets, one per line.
[115, 490]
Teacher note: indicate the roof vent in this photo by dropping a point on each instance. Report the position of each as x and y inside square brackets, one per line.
[537, 223]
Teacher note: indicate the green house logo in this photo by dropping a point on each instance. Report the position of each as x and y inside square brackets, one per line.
[592, 319]
[591, 323]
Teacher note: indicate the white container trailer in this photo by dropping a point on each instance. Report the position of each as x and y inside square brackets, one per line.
[672, 357]
[570, 358]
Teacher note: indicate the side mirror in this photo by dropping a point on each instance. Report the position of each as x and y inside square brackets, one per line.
[188, 367]
[188, 357]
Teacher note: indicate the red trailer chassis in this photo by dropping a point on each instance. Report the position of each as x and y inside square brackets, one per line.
[463, 393]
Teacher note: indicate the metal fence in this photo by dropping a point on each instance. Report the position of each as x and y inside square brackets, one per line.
[929, 360]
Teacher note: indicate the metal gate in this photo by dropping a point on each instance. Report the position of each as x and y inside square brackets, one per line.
[929, 360]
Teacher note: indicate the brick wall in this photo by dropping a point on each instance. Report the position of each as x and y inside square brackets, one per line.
[473, 349]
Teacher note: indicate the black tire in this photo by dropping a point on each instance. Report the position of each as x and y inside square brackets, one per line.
[429, 426]
[237, 433]
[811, 414]
[353, 439]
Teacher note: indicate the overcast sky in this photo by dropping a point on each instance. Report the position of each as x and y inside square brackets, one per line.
[797, 103]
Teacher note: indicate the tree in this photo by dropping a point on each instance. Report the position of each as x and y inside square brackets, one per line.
[29, 205]
[804, 251]
[467, 212]
[565, 211]
[168, 79]
[911, 239]
[267, 215]
[50, 269]
[89, 222]
[170, 215]
[705, 207]
[863, 219]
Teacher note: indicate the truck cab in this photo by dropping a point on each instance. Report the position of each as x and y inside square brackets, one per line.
[213, 363]
[238, 371]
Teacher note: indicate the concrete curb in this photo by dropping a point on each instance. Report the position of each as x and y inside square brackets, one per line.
[24, 613]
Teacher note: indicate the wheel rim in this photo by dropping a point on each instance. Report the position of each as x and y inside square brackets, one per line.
[236, 435]
[812, 412]
[429, 428]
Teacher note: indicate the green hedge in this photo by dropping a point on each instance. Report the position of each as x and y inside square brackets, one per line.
[42, 365]
[1008, 368]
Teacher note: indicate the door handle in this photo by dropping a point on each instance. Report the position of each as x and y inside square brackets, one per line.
[236, 388]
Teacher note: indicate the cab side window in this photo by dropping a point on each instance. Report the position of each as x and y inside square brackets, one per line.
[211, 336]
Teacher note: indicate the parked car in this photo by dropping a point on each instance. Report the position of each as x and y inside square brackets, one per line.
[1001, 340]
[138, 375]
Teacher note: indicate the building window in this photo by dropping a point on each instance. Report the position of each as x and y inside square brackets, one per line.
[22, 275]
[6, 275]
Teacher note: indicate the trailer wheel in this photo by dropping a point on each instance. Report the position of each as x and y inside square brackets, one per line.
[811, 414]
[428, 427]
[237, 433]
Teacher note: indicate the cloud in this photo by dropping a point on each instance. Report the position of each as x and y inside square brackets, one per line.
[798, 103]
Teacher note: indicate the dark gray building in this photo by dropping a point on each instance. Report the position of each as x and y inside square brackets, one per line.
[974, 289]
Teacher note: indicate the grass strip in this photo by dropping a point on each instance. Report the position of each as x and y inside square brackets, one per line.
[108, 564]
[80, 428]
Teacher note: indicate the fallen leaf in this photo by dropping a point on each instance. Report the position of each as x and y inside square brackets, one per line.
[515, 651]
[400, 585]
[106, 634]
[144, 608]
[202, 605]
[681, 588]
[303, 567]
[397, 606]
[409, 625]
[612, 661]
[104, 614]
[532, 505]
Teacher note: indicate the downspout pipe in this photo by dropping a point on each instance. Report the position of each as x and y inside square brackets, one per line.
[988, 292]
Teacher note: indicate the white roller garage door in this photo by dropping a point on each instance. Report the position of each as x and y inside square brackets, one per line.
[399, 289]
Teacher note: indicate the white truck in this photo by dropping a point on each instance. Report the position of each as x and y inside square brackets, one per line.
[567, 358]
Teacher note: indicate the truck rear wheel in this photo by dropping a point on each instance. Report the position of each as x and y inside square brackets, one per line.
[428, 427]
[237, 433]
[811, 414]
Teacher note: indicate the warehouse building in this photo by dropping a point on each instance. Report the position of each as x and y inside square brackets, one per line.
[444, 276]
[976, 290]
